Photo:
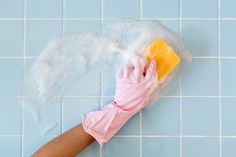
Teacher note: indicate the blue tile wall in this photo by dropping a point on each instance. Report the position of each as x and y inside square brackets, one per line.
[200, 116]
[80, 25]
[121, 8]
[74, 108]
[200, 78]
[11, 8]
[119, 146]
[160, 9]
[51, 8]
[32, 144]
[191, 106]
[162, 118]
[228, 116]
[11, 38]
[227, 8]
[228, 34]
[200, 37]
[10, 146]
[228, 147]
[161, 147]
[204, 147]
[10, 85]
[10, 110]
[93, 150]
[83, 9]
[199, 8]
[228, 77]
[81, 87]
[38, 34]
[50, 118]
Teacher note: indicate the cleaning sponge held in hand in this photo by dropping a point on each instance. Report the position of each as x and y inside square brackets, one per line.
[164, 55]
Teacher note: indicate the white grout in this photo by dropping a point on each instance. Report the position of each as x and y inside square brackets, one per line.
[24, 77]
[194, 57]
[219, 75]
[180, 90]
[98, 19]
[101, 73]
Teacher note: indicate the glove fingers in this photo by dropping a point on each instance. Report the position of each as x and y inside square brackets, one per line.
[138, 69]
[151, 71]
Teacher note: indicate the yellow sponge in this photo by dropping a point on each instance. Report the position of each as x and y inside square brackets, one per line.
[165, 57]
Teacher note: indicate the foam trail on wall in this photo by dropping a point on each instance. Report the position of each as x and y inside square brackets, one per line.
[72, 55]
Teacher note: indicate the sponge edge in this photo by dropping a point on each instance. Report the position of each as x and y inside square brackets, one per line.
[164, 55]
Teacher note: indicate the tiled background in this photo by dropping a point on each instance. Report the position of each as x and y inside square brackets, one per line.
[195, 119]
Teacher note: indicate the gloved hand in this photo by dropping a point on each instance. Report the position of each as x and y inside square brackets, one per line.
[135, 88]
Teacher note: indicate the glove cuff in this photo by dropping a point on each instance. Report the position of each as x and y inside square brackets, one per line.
[103, 124]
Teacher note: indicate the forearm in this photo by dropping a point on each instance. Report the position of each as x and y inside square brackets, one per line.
[68, 144]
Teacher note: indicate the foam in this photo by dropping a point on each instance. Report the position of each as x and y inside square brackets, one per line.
[69, 56]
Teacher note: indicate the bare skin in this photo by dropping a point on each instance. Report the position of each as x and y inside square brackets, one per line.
[69, 144]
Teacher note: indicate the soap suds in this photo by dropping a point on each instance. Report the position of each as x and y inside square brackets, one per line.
[69, 56]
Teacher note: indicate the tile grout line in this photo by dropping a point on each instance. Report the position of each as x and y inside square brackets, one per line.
[98, 19]
[140, 113]
[112, 96]
[23, 80]
[101, 76]
[194, 57]
[219, 75]
[62, 79]
[129, 136]
[180, 89]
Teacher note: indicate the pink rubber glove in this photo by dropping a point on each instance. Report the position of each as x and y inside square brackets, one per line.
[135, 88]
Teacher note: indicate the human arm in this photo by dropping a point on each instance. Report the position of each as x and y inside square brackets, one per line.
[69, 144]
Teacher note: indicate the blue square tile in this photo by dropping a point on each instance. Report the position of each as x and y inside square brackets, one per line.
[50, 115]
[228, 147]
[11, 8]
[201, 147]
[160, 8]
[228, 77]
[93, 150]
[228, 36]
[121, 8]
[199, 8]
[81, 25]
[44, 8]
[11, 38]
[38, 34]
[109, 82]
[173, 25]
[83, 8]
[161, 118]
[10, 146]
[200, 78]
[172, 86]
[227, 8]
[132, 127]
[11, 77]
[200, 116]
[200, 37]
[119, 146]
[161, 147]
[32, 144]
[86, 85]
[10, 116]
[74, 108]
[228, 114]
